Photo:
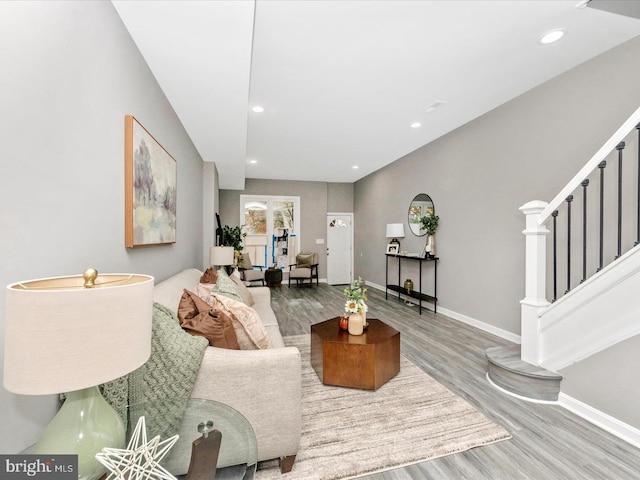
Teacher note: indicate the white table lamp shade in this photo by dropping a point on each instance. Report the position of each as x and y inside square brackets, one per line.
[61, 337]
[221, 256]
[69, 334]
[395, 230]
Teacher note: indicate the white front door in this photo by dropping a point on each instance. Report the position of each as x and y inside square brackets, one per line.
[339, 248]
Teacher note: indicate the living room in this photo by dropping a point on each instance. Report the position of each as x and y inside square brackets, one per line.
[73, 73]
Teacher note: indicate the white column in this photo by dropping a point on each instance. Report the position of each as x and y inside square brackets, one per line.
[535, 281]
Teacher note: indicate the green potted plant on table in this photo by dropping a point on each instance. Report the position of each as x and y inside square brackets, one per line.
[429, 223]
[356, 307]
[233, 237]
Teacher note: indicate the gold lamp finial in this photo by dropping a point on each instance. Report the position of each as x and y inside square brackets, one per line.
[90, 275]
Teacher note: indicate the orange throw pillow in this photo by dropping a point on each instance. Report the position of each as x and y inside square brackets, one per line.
[197, 317]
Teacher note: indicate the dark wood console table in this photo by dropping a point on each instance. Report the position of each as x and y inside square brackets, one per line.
[417, 294]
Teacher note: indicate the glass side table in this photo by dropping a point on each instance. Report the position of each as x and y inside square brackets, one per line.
[238, 456]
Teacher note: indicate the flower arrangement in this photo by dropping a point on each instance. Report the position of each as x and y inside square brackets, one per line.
[356, 296]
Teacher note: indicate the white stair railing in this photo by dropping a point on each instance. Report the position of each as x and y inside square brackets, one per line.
[537, 214]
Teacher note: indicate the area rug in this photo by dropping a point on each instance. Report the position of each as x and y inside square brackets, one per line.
[349, 432]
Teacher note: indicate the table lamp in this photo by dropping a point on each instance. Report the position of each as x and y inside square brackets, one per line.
[68, 335]
[395, 230]
[221, 256]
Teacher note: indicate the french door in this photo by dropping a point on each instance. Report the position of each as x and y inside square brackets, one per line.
[272, 227]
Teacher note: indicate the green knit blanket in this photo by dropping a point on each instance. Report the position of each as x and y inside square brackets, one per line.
[161, 387]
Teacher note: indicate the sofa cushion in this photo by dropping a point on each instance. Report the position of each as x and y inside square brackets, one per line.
[197, 317]
[169, 291]
[303, 272]
[262, 305]
[275, 337]
[244, 291]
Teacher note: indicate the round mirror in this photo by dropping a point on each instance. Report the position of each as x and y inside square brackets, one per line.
[420, 206]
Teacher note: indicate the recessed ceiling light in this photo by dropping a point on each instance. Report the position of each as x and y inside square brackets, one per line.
[257, 109]
[253, 160]
[552, 36]
[355, 167]
[416, 125]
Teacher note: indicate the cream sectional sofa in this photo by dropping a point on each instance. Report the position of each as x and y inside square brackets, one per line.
[263, 385]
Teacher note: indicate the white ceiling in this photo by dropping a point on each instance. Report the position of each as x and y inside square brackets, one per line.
[342, 81]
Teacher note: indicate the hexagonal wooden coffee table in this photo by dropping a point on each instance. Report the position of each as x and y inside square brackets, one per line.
[364, 361]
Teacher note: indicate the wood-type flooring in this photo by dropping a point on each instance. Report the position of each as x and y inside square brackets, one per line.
[549, 442]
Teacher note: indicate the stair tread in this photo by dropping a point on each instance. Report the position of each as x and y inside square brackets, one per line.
[510, 359]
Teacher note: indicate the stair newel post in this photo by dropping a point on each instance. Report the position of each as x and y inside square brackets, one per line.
[602, 165]
[569, 201]
[620, 148]
[585, 184]
[535, 280]
[555, 255]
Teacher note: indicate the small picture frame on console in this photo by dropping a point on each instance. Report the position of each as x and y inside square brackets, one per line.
[392, 248]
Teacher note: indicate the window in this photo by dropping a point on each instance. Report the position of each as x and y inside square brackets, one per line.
[272, 227]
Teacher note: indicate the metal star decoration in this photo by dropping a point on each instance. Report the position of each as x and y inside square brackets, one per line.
[141, 459]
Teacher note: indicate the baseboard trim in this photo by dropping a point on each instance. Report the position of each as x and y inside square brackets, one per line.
[492, 329]
[499, 332]
[602, 420]
[624, 431]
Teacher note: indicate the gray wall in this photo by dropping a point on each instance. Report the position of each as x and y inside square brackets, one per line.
[70, 74]
[480, 174]
[316, 199]
[340, 197]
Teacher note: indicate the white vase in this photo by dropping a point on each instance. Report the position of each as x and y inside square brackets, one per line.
[430, 247]
[356, 323]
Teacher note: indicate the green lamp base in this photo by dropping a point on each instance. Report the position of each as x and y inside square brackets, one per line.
[84, 425]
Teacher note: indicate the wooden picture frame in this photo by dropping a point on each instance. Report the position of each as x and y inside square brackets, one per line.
[392, 248]
[150, 189]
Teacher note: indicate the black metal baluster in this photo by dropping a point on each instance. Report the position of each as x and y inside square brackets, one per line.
[585, 184]
[620, 148]
[602, 165]
[555, 256]
[638, 187]
[569, 200]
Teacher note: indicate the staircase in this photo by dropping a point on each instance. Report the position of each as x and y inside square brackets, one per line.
[594, 265]
[508, 371]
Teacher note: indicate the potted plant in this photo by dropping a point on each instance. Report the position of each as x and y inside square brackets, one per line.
[355, 306]
[429, 223]
[233, 237]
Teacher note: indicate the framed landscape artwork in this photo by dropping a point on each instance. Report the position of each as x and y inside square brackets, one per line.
[150, 189]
